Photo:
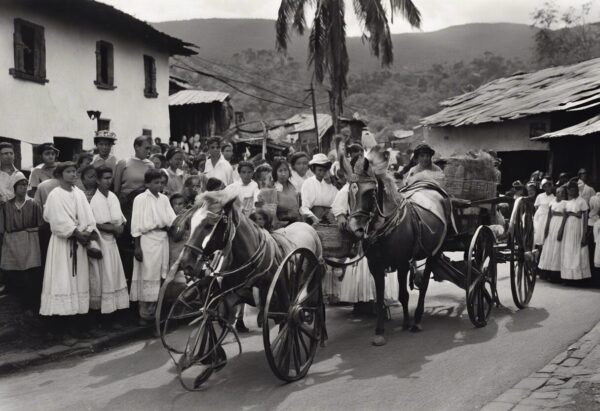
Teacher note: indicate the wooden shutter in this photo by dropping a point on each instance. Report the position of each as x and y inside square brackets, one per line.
[39, 53]
[110, 64]
[153, 75]
[18, 46]
[98, 62]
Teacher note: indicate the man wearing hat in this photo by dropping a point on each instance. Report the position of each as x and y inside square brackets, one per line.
[44, 171]
[425, 169]
[317, 194]
[104, 140]
[586, 192]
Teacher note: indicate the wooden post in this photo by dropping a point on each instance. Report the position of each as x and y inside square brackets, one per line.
[314, 110]
[264, 143]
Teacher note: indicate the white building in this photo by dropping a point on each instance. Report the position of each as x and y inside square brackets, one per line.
[63, 61]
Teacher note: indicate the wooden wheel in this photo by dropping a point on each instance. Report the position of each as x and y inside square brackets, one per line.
[293, 315]
[523, 262]
[480, 281]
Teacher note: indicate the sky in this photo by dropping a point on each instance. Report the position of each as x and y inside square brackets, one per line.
[436, 14]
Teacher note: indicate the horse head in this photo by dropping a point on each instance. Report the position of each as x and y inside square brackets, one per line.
[365, 191]
[210, 223]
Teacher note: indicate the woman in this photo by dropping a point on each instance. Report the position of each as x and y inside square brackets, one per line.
[575, 263]
[317, 195]
[288, 204]
[66, 275]
[88, 182]
[542, 207]
[551, 250]
[300, 171]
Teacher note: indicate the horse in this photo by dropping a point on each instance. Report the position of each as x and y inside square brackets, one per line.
[395, 228]
[251, 254]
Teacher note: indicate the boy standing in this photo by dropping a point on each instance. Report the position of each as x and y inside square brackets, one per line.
[152, 216]
[247, 187]
[217, 166]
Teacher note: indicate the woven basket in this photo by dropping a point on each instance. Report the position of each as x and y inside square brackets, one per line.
[336, 243]
[470, 189]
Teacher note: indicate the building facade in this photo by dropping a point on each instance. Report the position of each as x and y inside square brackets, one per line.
[72, 67]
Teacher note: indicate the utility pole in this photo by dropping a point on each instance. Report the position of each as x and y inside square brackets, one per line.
[314, 110]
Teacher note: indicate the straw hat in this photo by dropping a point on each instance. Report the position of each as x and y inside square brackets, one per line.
[320, 159]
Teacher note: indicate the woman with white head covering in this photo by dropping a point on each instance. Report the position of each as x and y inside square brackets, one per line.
[542, 207]
[317, 195]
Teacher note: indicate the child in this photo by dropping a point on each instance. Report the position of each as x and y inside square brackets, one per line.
[164, 182]
[266, 197]
[247, 188]
[191, 188]
[261, 218]
[110, 222]
[20, 220]
[152, 216]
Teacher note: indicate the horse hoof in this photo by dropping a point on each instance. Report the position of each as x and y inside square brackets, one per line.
[416, 328]
[379, 340]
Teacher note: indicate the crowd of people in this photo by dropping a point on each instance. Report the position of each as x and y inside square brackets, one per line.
[93, 235]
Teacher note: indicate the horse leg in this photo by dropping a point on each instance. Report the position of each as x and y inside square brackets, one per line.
[403, 295]
[379, 276]
[416, 327]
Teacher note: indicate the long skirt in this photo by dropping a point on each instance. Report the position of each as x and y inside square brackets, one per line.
[108, 287]
[539, 225]
[575, 261]
[147, 274]
[65, 290]
[358, 285]
[552, 248]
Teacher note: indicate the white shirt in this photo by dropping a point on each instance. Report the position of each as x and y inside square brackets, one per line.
[247, 194]
[341, 204]
[594, 209]
[150, 213]
[586, 192]
[297, 180]
[222, 170]
[107, 209]
[316, 193]
[7, 190]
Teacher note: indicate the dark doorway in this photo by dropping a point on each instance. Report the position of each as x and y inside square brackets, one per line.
[69, 147]
[518, 165]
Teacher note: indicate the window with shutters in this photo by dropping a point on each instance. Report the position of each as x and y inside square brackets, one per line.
[150, 77]
[30, 52]
[105, 77]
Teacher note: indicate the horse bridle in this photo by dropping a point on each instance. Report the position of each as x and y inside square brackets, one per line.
[371, 214]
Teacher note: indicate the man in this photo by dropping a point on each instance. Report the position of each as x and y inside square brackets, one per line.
[7, 172]
[217, 166]
[44, 171]
[104, 141]
[425, 169]
[586, 192]
[129, 173]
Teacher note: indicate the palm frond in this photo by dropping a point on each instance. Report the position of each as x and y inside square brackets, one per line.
[290, 15]
[408, 10]
[317, 41]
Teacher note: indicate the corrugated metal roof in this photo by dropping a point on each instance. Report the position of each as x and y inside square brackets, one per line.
[196, 97]
[564, 88]
[306, 122]
[588, 127]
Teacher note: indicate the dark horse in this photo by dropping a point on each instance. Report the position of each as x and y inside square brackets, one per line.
[395, 228]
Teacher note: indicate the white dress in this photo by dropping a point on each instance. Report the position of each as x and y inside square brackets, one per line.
[66, 279]
[150, 213]
[575, 263]
[113, 294]
[358, 285]
[542, 203]
[552, 248]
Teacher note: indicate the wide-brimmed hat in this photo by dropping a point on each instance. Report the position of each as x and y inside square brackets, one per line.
[105, 135]
[423, 148]
[320, 159]
[42, 148]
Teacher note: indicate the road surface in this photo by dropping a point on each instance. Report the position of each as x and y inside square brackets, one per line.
[448, 366]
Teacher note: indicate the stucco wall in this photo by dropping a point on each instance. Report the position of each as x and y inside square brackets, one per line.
[506, 136]
[36, 113]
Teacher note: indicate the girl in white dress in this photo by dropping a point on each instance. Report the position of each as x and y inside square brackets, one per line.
[66, 274]
[575, 262]
[551, 249]
[542, 206]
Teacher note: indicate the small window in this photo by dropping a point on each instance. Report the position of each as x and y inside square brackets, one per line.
[150, 77]
[103, 124]
[147, 132]
[105, 77]
[30, 52]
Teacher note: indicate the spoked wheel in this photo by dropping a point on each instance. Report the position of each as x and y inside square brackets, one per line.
[480, 279]
[293, 315]
[523, 262]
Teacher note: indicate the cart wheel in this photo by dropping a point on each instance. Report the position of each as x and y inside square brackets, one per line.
[481, 276]
[186, 311]
[523, 261]
[293, 315]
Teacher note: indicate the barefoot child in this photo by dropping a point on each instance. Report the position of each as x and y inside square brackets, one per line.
[151, 218]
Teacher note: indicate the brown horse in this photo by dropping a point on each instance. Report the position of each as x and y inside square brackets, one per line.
[395, 228]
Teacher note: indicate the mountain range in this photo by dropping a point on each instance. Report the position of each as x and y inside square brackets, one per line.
[220, 39]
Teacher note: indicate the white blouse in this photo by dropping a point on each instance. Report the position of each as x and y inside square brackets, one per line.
[150, 213]
[316, 193]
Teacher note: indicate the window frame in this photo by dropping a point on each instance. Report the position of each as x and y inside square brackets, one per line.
[39, 53]
[110, 66]
[150, 77]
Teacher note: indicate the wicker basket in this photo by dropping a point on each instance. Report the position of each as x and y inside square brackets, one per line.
[336, 243]
[470, 189]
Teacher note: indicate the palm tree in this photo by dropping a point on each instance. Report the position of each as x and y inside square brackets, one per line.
[327, 51]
